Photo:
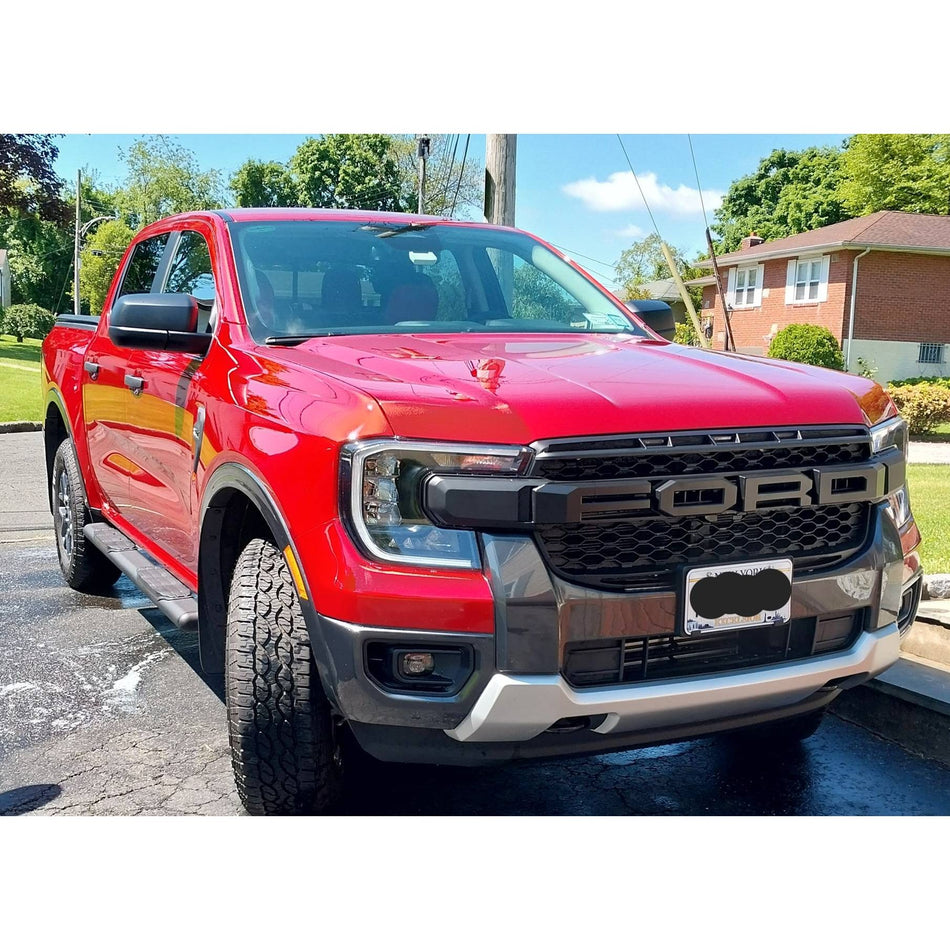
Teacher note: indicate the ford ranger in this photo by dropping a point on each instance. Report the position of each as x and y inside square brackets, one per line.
[427, 491]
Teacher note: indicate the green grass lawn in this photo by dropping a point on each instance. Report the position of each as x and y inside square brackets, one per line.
[20, 399]
[930, 498]
[940, 434]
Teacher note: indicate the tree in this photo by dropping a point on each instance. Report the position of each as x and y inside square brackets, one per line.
[788, 193]
[897, 173]
[350, 171]
[28, 183]
[644, 262]
[164, 178]
[264, 185]
[40, 256]
[99, 259]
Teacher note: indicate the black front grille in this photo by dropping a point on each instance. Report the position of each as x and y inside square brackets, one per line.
[647, 552]
[636, 659]
[654, 456]
[633, 549]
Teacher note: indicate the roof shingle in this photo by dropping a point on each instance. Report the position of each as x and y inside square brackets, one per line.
[881, 229]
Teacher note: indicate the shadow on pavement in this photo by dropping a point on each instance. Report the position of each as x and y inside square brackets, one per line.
[19, 801]
[185, 645]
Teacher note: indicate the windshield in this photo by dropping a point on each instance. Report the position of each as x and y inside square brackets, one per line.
[301, 279]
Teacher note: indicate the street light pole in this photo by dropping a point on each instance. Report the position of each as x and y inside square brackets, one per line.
[422, 151]
[76, 249]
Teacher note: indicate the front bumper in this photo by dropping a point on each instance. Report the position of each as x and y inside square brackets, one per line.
[516, 693]
[518, 708]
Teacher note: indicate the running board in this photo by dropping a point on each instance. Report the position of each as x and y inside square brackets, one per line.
[171, 597]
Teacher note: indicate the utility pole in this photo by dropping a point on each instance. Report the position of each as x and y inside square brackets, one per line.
[76, 249]
[422, 151]
[500, 152]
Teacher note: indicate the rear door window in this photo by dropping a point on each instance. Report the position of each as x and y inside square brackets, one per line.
[190, 271]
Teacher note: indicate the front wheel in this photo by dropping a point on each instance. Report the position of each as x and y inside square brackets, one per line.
[84, 567]
[285, 749]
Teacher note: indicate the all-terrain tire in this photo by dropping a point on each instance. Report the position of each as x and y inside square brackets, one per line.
[284, 747]
[84, 567]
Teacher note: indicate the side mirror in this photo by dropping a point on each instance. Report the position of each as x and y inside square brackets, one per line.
[157, 322]
[657, 315]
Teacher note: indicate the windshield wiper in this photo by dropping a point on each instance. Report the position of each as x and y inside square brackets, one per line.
[291, 340]
[387, 232]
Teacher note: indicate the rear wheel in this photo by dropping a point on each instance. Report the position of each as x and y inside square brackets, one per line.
[84, 567]
[285, 747]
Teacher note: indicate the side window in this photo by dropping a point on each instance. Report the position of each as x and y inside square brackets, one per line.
[190, 272]
[530, 294]
[143, 266]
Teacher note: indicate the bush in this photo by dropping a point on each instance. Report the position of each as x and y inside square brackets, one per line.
[685, 333]
[806, 343]
[913, 380]
[27, 320]
[924, 405]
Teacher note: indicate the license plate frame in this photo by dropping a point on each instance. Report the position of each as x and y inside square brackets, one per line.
[695, 624]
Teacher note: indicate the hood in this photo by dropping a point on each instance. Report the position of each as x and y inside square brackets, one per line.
[504, 389]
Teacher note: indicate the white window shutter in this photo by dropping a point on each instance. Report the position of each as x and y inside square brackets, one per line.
[731, 288]
[790, 281]
[823, 286]
[759, 281]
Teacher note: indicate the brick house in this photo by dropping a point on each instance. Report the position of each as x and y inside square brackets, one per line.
[898, 320]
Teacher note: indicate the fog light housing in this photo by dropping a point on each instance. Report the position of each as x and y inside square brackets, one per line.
[419, 668]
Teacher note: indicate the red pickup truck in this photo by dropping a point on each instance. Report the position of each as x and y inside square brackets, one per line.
[425, 489]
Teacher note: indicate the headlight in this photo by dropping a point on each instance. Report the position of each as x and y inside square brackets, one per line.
[898, 506]
[383, 486]
[888, 434]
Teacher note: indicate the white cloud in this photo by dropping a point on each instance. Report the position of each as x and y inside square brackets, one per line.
[620, 193]
[631, 231]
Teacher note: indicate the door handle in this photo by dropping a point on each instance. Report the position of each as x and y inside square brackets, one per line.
[92, 369]
[135, 383]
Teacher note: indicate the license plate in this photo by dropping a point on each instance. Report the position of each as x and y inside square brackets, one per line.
[732, 596]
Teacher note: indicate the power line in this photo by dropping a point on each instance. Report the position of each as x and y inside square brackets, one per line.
[461, 174]
[637, 180]
[586, 257]
[699, 187]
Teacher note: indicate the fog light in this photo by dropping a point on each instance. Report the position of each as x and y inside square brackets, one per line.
[416, 664]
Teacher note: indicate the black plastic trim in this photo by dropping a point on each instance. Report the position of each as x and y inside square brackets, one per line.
[78, 321]
[433, 747]
[231, 475]
[466, 501]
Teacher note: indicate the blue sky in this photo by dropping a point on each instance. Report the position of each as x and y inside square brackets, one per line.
[573, 190]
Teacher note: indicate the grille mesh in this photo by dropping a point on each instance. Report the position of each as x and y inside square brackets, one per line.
[648, 551]
[635, 659]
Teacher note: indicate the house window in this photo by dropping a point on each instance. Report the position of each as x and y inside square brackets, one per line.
[930, 353]
[807, 280]
[745, 286]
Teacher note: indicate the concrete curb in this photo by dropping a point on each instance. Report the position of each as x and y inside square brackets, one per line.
[21, 427]
[909, 704]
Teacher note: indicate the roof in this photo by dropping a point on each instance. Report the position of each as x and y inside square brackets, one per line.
[324, 214]
[895, 230]
[661, 289]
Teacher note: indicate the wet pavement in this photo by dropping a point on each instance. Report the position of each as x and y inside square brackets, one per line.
[103, 711]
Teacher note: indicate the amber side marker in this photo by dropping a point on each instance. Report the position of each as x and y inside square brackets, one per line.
[295, 572]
